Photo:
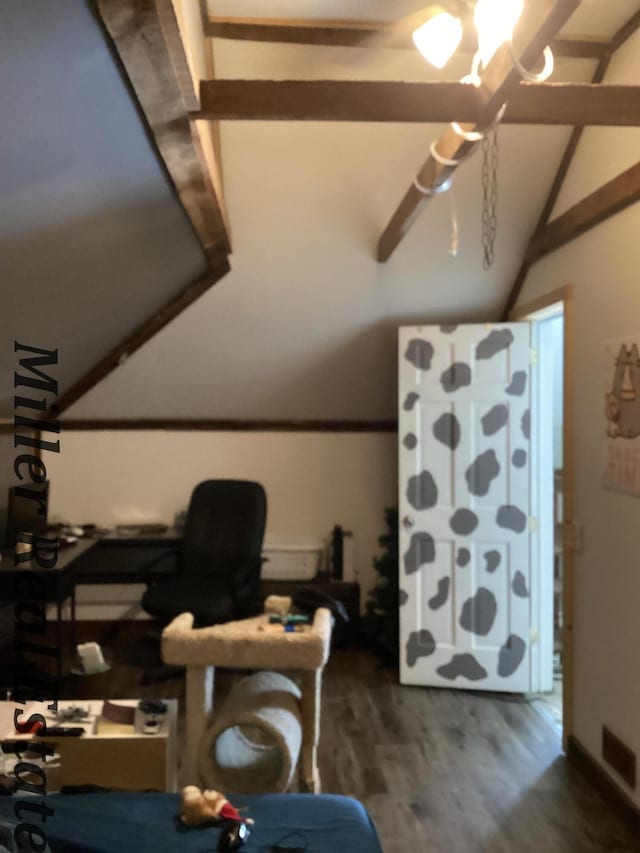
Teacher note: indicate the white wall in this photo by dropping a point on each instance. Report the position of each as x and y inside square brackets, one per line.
[93, 239]
[313, 480]
[604, 267]
[305, 324]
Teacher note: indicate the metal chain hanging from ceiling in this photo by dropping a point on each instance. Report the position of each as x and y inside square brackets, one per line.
[489, 197]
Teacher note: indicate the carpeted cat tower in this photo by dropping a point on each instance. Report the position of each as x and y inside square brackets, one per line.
[269, 725]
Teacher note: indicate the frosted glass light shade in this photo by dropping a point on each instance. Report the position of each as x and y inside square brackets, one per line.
[438, 38]
[495, 21]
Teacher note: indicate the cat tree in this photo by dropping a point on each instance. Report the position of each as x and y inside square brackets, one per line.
[273, 705]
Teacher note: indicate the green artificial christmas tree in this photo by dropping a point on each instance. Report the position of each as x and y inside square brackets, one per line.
[380, 623]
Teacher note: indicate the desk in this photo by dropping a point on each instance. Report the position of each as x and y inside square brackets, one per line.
[110, 559]
[134, 559]
[57, 584]
[58, 580]
[89, 560]
[67, 556]
[139, 558]
[123, 559]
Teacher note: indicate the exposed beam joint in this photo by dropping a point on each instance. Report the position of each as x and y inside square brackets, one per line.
[141, 335]
[540, 22]
[192, 53]
[373, 34]
[146, 40]
[345, 100]
[552, 198]
[616, 195]
[625, 32]
[620, 37]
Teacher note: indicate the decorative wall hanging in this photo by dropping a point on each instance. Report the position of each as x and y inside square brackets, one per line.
[622, 412]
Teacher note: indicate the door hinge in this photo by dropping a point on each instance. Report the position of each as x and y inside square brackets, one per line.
[534, 356]
[533, 523]
[535, 635]
[575, 537]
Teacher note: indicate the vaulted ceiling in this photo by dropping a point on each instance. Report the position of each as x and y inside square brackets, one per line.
[304, 324]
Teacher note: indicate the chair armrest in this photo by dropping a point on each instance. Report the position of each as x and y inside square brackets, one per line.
[242, 577]
[155, 570]
[243, 569]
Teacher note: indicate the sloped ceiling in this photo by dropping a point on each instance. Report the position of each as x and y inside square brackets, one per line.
[92, 238]
[304, 326]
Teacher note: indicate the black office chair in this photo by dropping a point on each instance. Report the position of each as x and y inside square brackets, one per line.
[219, 559]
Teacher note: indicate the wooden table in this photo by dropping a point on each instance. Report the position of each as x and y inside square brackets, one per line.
[107, 754]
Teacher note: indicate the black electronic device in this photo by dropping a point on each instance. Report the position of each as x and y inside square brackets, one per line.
[278, 849]
[61, 731]
[310, 598]
[233, 836]
[152, 706]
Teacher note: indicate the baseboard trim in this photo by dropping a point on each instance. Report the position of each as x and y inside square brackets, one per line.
[581, 758]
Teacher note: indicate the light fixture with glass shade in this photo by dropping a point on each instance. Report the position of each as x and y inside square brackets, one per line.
[440, 33]
[495, 22]
[437, 34]
[438, 37]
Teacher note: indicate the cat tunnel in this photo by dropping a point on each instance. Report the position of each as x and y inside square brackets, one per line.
[269, 726]
[252, 745]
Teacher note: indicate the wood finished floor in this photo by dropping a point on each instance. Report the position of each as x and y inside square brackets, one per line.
[443, 770]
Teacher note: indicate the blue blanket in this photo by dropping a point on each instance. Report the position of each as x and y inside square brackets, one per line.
[148, 823]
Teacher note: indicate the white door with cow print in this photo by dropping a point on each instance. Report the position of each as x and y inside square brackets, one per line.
[465, 515]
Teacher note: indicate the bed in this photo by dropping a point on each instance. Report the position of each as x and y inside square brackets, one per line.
[147, 823]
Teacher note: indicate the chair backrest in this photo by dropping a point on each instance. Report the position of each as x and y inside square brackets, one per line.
[225, 525]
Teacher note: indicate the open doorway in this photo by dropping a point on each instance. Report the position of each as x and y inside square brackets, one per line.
[551, 334]
[548, 338]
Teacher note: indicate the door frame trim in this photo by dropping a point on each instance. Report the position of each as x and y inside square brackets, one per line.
[521, 313]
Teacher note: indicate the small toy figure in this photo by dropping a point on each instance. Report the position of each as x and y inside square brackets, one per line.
[208, 806]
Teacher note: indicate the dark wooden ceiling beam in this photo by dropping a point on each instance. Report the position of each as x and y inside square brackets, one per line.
[619, 38]
[336, 100]
[221, 425]
[616, 195]
[192, 55]
[345, 100]
[345, 33]
[141, 335]
[574, 103]
[539, 24]
[145, 38]
[552, 198]
[625, 32]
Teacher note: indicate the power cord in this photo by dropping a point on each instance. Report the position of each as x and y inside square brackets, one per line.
[278, 847]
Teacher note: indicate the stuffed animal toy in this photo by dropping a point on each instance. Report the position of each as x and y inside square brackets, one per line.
[200, 807]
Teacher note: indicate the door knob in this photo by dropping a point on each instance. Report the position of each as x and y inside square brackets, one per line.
[408, 522]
